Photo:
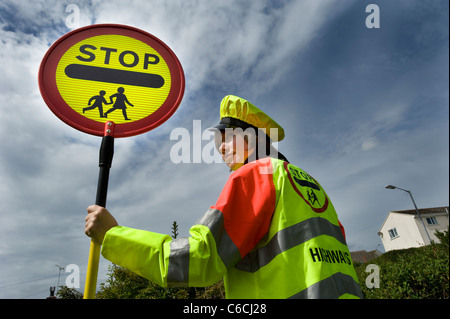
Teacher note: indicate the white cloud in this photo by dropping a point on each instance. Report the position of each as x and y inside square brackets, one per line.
[369, 144]
[233, 41]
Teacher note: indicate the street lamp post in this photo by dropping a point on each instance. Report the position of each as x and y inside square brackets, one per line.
[59, 274]
[415, 206]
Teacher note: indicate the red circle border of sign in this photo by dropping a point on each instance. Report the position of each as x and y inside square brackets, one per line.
[51, 96]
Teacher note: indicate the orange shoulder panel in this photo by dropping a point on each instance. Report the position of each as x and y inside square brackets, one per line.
[247, 203]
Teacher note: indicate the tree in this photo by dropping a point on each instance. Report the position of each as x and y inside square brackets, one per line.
[124, 284]
[68, 293]
[442, 236]
[174, 230]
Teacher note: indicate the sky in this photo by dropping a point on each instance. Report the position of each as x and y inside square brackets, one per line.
[361, 108]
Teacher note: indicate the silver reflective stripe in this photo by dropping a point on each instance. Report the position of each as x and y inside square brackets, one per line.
[226, 248]
[332, 287]
[287, 238]
[178, 273]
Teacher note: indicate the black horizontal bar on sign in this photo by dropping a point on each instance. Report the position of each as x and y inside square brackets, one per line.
[306, 184]
[95, 73]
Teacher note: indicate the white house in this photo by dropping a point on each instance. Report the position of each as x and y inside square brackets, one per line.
[404, 229]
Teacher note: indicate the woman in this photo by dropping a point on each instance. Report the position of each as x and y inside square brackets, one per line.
[265, 236]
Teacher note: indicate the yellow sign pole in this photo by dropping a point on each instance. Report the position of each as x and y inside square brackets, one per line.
[105, 161]
[92, 271]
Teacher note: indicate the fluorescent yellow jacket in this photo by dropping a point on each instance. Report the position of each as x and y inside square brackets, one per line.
[273, 233]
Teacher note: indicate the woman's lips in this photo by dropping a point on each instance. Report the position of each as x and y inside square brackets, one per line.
[228, 158]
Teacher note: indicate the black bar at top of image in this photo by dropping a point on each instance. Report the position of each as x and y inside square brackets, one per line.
[94, 73]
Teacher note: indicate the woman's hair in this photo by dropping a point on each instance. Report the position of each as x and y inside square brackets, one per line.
[256, 139]
[262, 144]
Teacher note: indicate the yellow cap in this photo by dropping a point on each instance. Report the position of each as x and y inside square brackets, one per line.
[233, 107]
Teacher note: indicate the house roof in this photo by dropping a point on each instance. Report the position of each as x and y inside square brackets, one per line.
[422, 211]
[431, 210]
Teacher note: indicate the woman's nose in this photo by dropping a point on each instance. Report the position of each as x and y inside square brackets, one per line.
[222, 148]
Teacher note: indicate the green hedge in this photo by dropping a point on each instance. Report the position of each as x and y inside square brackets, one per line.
[415, 273]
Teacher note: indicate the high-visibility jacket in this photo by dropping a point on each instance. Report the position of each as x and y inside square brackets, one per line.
[273, 233]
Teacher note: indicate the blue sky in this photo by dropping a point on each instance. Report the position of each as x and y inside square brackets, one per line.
[361, 108]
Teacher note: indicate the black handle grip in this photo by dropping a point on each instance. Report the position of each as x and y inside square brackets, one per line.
[106, 151]
[105, 160]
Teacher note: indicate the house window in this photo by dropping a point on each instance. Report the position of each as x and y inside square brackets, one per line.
[393, 233]
[431, 221]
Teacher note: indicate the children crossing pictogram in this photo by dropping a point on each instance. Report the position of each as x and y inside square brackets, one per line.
[119, 103]
[99, 101]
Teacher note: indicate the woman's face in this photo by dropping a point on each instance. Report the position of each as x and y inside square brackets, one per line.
[233, 148]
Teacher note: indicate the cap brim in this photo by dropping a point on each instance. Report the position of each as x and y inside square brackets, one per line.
[227, 122]
[220, 127]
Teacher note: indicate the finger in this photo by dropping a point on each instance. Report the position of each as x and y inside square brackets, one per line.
[87, 230]
[93, 208]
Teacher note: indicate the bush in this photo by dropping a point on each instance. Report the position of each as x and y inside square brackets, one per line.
[124, 284]
[415, 273]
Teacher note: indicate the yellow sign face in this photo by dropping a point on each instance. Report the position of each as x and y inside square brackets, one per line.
[113, 78]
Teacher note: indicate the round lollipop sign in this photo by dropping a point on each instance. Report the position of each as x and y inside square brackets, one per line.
[111, 73]
[113, 81]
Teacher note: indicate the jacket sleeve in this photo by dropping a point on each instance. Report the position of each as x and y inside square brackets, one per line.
[225, 234]
[144, 253]
[168, 262]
